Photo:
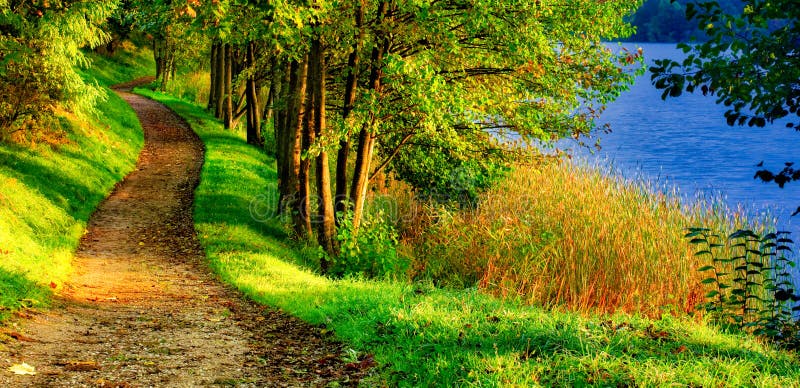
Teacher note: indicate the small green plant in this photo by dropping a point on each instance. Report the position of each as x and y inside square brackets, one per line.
[369, 250]
[751, 282]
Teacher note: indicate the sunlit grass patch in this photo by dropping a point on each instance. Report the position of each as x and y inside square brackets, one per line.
[422, 335]
[127, 63]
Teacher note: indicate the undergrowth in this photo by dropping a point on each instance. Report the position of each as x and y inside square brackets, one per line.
[427, 336]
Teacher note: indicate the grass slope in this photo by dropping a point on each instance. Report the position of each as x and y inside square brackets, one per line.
[48, 190]
[424, 336]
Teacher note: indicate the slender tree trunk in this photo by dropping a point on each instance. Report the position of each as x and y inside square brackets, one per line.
[351, 83]
[289, 183]
[326, 222]
[253, 112]
[228, 98]
[169, 63]
[220, 92]
[273, 92]
[212, 92]
[303, 222]
[157, 58]
[161, 55]
[282, 73]
[366, 140]
[281, 132]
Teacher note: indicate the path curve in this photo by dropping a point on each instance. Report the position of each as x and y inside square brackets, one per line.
[142, 309]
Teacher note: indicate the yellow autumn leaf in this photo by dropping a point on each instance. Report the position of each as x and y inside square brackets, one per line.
[22, 369]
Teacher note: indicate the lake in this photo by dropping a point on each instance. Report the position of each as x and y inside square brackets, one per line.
[685, 142]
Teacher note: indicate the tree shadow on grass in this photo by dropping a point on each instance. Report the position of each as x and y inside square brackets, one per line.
[63, 191]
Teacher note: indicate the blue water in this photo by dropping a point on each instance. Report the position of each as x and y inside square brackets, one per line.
[685, 142]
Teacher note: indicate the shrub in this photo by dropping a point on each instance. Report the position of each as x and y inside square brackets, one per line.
[369, 251]
[451, 173]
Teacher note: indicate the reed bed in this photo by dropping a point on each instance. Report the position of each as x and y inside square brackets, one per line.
[563, 234]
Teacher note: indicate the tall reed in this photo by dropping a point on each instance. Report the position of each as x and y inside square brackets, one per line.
[558, 234]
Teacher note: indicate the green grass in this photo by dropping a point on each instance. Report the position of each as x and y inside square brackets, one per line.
[48, 190]
[128, 63]
[425, 336]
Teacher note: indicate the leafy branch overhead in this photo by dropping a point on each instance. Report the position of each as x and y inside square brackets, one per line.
[40, 46]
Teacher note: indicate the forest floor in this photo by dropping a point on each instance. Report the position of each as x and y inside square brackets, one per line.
[143, 309]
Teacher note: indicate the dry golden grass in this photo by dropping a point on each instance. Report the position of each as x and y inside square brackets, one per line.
[554, 234]
[192, 86]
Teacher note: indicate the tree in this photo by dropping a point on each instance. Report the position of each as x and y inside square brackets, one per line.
[168, 23]
[40, 46]
[367, 81]
[750, 63]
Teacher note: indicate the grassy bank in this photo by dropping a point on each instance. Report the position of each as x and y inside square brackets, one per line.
[422, 335]
[51, 184]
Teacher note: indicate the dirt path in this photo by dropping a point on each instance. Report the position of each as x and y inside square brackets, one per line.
[142, 310]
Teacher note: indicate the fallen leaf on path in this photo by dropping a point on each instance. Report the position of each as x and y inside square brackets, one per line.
[81, 366]
[22, 369]
[20, 337]
[366, 363]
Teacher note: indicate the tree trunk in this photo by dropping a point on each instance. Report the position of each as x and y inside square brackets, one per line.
[169, 63]
[303, 222]
[220, 84]
[282, 76]
[366, 140]
[228, 98]
[212, 93]
[253, 112]
[157, 58]
[289, 183]
[273, 93]
[280, 130]
[326, 222]
[351, 83]
[161, 55]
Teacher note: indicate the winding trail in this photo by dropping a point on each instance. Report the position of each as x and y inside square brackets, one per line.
[142, 309]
